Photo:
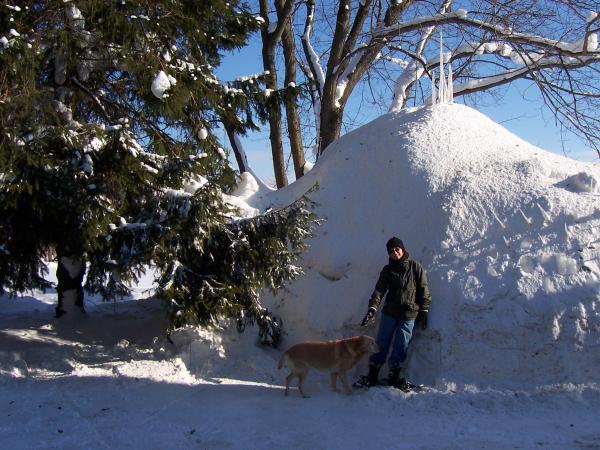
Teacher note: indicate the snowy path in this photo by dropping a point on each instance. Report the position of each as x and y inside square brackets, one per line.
[103, 412]
[108, 382]
[113, 381]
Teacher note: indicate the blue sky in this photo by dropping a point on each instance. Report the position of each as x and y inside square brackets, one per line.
[521, 111]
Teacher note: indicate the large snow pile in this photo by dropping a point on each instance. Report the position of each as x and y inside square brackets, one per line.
[509, 234]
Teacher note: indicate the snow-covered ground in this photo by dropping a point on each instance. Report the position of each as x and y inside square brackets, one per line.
[510, 236]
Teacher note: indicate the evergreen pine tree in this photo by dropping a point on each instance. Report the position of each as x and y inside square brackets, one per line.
[108, 161]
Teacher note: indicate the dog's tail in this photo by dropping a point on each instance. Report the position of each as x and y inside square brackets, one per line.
[281, 360]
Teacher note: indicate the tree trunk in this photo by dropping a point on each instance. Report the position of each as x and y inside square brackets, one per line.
[331, 123]
[331, 114]
[70, 273]
[275, 136]
[240, 157]
[291, 111]
[344, 40]
[269, 41]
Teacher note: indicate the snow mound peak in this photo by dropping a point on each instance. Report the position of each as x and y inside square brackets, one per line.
[509, 235]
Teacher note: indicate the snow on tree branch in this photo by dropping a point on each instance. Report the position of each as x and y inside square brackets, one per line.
[460, 17]
[311, 56]
[551, 54]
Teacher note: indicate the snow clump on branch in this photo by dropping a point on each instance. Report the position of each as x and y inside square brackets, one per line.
[162, 83]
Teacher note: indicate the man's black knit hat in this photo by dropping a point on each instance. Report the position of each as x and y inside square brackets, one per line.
[394, 242]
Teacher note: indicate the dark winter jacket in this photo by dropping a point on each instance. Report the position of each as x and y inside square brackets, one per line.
[405, 282]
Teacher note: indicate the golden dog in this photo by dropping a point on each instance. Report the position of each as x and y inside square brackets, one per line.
[339, 356]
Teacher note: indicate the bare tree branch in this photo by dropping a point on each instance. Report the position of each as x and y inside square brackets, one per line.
[389, 48]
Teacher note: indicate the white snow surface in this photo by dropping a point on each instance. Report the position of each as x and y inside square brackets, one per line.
[510, 237]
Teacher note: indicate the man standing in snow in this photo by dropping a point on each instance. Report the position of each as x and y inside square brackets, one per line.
[407, 301]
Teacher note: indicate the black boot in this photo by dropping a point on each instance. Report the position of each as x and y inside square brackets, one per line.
[372, 379]
[404, 385]
[395, 380]
[393, 376]
[373, 376]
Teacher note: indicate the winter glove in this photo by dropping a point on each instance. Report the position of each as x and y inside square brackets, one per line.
[369, 316]
[422, 318]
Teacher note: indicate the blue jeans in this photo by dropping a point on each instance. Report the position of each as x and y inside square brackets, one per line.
[387, 328]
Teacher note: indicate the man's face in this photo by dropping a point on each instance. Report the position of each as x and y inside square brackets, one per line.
[396, 253]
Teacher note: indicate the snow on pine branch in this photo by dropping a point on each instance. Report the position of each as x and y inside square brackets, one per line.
[161, 84]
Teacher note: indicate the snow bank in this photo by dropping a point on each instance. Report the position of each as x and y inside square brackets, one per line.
[509, 234]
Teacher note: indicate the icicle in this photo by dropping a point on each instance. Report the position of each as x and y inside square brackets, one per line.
[442, 87]
[566, 228]
[498, 220]
[450, 90]
[445, 92]
[545, 215]
[527, 219]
